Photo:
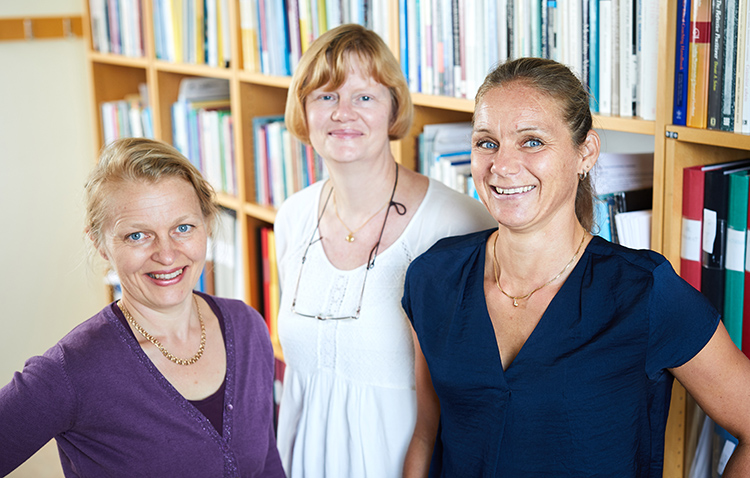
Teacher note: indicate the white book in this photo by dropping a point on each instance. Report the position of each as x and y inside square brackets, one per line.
[575, 19]
[626, 58]
[648, 44]
[746, 80]
[615, 54]
[225, 29]
[634, 229]
[502, 33]
[605, 57]
[99, 30]
[426, 46]
[276, 162]
[415, 49]
[474, 57]
[740, 69]
[225, 254]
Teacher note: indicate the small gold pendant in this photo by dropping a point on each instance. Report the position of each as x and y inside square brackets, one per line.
[349, 238]
[515, 302]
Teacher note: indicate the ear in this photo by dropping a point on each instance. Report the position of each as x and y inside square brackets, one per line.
[98, 248]
[589, 151]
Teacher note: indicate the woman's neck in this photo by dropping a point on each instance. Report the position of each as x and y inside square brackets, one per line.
[360, 191]
[527, 259]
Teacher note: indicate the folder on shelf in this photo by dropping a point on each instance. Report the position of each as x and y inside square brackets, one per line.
[735, 255]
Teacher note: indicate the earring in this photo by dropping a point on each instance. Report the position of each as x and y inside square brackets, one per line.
[582, 176]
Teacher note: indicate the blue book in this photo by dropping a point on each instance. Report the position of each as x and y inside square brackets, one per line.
[403, 32]
[682, 55]
[594, 55]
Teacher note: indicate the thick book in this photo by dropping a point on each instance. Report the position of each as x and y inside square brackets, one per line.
[716, 63]
[714, 236]
[698, 69]
[735, 256]
[679, 110]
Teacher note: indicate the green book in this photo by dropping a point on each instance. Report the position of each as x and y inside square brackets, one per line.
[735, 255]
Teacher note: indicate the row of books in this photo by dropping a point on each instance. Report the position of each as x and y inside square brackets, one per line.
[448, 46]
[276, 33]
[130, 117]
[714, 241]
[117, 27]
[193, 31]
[203, 130]
[224, 274]
[283, 164]
[712, 66]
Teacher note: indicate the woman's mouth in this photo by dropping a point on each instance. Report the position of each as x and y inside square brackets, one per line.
[509, 191]
[169, 276]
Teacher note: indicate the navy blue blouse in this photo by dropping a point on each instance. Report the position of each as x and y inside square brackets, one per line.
[587, 395]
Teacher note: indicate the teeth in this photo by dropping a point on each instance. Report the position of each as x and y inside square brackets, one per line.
[166, 276]
[522, 189]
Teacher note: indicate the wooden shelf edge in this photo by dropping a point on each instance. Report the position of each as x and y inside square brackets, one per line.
[40, 28]
[194, 69]
[625, 124]
[709, 137]
[443, 102]
[118, 60]
[265, 80]
[228, 201]
[264, 213]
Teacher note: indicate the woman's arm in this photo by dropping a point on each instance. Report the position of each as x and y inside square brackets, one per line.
[718, 377]
[419, 453]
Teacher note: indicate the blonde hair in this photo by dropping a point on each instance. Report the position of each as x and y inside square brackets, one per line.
[327, 62]
[140, 159]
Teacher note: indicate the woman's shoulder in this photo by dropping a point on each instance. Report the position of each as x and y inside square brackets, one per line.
[301, 201]
[638, 259]
[452, 251]
[235, 310]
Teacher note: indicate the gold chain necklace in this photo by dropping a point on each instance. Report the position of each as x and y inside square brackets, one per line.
[521, 297]
[158, 344]
[350, 237]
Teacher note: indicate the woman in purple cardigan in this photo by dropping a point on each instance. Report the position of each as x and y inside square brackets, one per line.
[165, 381]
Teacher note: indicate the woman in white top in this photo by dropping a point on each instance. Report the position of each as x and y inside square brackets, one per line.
[349, 405]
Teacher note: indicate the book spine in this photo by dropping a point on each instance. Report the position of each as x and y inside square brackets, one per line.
[716, 62]
[679, 112]
[729, 73]
[594, 55]
[605, 57]
[698, 69]
[740, 65]
[735, 256]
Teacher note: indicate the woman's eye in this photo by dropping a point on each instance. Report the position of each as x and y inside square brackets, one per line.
[183, 228]
[365, 97]
[326, 97]
[533, 143]
[136, 236]
[484, 144]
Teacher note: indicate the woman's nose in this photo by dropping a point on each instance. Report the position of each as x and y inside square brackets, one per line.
[344, 111]
[165, 252]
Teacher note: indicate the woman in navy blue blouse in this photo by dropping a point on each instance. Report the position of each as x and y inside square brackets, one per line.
[544, 351]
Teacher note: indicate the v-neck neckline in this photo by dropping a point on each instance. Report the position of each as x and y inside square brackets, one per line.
[562, 294]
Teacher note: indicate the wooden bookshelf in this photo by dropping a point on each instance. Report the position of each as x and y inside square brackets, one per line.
[254, 94]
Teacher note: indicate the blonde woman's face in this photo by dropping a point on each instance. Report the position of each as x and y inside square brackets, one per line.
[155, 239]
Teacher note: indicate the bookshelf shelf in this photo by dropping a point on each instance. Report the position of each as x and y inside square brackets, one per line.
[255, 94]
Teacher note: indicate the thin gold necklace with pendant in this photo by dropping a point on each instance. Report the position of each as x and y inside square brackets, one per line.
[522, 297]
[350, 237]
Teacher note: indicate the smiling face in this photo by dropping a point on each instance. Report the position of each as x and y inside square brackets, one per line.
[523, 159]
[155, 238]
[350, 123]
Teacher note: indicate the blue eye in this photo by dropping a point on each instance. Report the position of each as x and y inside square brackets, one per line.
[366, 97]
[533, 143]
[183, 228]
[326, 97]
[136, 236]
[484, 144]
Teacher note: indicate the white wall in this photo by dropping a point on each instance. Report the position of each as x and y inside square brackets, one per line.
[46, 151]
